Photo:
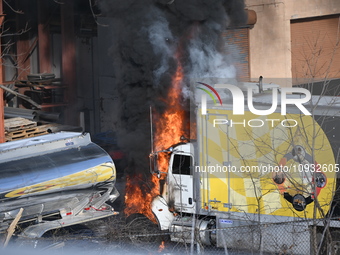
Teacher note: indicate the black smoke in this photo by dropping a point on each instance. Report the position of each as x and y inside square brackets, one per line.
[147, 34]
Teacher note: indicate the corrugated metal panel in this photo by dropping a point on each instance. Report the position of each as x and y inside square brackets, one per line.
[315, 49]
[237, 45]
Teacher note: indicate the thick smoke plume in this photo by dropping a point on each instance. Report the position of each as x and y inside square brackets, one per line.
[148, 36]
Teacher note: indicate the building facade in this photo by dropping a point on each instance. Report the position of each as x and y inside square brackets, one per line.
[294, 42]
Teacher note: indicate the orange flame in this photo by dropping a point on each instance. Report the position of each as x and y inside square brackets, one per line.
[170, 126]
[168, 130]
[161, 247]
[139, 195]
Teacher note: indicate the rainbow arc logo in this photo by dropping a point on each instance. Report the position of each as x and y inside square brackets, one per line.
[211, 89]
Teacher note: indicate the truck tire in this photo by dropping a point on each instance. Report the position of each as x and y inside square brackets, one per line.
[142, 230]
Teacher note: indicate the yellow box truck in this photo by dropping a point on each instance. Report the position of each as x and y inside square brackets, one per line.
[255, 181]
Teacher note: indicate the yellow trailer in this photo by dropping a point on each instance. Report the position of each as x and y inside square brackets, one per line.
[247, 171]
[249, 164]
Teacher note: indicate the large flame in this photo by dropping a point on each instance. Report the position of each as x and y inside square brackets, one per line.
[139, 193]
[169, 127]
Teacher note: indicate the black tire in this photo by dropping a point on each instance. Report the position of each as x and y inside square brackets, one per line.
[142, 230]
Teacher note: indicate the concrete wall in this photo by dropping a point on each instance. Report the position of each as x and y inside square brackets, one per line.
[270, 39]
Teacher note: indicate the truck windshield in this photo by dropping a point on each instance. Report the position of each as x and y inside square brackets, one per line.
[181, 164]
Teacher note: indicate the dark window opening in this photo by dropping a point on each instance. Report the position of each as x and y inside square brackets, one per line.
[181, 165]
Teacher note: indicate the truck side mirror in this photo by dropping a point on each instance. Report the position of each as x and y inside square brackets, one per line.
[154, 165]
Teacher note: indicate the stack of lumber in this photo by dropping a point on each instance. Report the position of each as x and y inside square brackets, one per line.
[20, 128]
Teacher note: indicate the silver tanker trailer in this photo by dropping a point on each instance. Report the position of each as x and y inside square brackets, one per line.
[59, 180]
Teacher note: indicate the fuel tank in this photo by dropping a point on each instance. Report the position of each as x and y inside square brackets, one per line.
[63, 174]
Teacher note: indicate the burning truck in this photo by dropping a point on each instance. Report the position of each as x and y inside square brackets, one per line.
[58, 179]
[242, 172]
[226, 171]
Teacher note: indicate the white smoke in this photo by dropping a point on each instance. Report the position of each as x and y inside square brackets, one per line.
[208, 62]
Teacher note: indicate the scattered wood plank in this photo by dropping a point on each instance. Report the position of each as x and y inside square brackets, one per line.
[10, 230]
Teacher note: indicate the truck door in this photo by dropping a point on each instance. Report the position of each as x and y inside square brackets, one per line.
[180, 180]
[214, 143]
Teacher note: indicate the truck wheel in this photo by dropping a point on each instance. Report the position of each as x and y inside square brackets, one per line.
[142, 230]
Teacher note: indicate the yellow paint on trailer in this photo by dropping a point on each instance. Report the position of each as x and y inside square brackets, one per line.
[270, 145]
[101, 173]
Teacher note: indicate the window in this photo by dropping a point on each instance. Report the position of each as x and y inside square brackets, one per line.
[181, 164]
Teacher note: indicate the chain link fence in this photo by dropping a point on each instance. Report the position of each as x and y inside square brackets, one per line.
[114, 236]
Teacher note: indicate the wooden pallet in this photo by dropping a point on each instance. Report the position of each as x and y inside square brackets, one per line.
[28, 132]
[18, 123]
[23, 135]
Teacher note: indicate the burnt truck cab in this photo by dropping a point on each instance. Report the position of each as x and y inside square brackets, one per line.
[179, 200]
[59, 179]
